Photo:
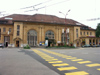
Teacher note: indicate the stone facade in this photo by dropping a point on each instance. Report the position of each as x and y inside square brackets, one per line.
[77, 36]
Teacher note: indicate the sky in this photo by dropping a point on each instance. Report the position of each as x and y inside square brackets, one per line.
[80, 10]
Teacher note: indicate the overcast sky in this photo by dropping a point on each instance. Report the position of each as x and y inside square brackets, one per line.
[80, 10]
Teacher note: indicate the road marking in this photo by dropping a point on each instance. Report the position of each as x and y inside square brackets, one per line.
[47, 57]
[93, 65]
[63, 64]
[68, 56]
[66, 68]
[77, 60]
[55, 62]
[71, 58]
[98, 69]
[83, 62]
[77, 73]
[64, 56]
[50, 59]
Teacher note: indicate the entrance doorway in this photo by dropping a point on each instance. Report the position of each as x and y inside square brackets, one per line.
[17, 43]
[6, 41]
[32, 38]
[51, 41]
[6, 44]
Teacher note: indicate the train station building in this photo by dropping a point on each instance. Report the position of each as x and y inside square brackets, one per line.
[18, 30]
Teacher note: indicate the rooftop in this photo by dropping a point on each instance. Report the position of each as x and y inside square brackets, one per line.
[40, 18]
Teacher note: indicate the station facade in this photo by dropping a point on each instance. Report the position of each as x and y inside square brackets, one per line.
[18, 30]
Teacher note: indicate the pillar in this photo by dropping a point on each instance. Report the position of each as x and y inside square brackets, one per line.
[39, 36]
[87, 41]
[92, 42]
[95, 41]
[43, 34]
[56, 34]
[98, 41]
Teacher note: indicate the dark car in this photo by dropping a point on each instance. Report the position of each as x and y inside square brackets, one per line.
[97, 45]
[1, 45]
[94, 46]
[86, 46]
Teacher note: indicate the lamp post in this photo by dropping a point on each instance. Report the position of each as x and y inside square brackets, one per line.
[65, 22]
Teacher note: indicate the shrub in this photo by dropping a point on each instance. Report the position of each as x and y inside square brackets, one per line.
[27, 47]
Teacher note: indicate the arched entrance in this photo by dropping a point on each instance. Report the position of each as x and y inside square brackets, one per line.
[32, 38]
[17, 43]
[50, 35]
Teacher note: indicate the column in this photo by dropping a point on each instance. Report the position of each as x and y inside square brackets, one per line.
[57, 34]
[2, 38]
[98, 41]
[87, 41]
[25, 35]
[92, 42]
[43, 34]
[95, 41]
[80, 42]
[39, 37]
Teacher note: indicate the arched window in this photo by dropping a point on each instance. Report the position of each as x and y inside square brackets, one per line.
[32, 38]
[65, 37]
[49, 35]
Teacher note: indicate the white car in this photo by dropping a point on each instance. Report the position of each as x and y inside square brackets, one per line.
[1, 45]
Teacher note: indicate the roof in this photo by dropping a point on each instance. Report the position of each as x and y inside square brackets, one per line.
[41, 18]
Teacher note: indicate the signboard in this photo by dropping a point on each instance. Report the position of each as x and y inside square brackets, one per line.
[62, 30]
[58, 41]
[46, 42]
[68, 30]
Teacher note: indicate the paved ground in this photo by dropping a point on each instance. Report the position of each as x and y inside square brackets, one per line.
[14, 61]
[39, 61]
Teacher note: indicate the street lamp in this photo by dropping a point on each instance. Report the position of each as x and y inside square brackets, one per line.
[65, 14]
[65, 22]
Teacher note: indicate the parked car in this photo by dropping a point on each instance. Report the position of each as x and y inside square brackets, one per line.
[97, 45]
[1, 45]
[94, 46]
[86, 46]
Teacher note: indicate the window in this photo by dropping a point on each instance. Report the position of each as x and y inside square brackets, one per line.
[0, 33]
[87, 33]
[17, 33]
[3, 22]
[18, 30]
[77, 33]
[65, 38]
[49, 34]
[4, 29]
[90, 33]
[84, 33]
[85, 27]
[81, 33]
[9, 29]
[32, 38]
[18, 27]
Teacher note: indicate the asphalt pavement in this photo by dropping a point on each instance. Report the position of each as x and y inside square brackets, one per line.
[15, 61]
[45, 61]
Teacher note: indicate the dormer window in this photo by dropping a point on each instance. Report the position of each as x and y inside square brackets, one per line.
[85, 27]
[3, 22]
